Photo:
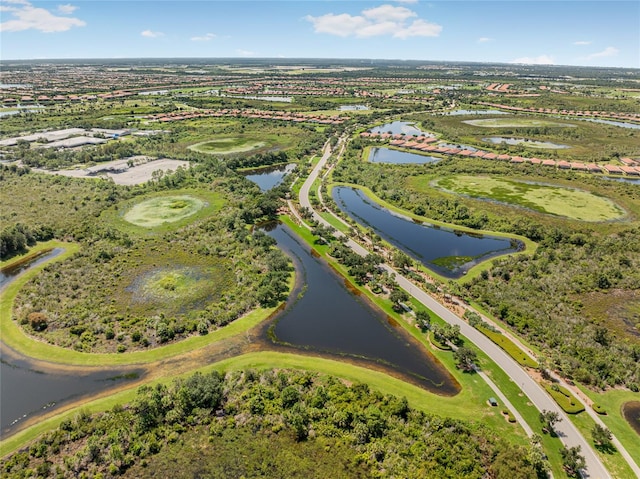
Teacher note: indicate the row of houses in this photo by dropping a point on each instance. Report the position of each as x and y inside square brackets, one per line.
[578, 113]
[426, 144]
[249, 113]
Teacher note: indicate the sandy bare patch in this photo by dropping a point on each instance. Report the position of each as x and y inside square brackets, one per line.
[121, 173]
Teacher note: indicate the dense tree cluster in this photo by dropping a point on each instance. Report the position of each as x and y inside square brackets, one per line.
[364, 431]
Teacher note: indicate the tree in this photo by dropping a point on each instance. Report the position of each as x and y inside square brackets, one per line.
[398, 296]
[549, 419]
[465, 358]
[601, 436]
[572, 460]
[423, 320]
[401, 260]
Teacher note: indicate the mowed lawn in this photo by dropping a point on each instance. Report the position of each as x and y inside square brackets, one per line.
[164, 209]
[227, 146]
[554, 200]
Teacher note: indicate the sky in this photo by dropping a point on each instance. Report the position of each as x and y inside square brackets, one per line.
[574, 32]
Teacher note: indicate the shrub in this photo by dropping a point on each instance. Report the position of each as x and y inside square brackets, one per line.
[38, 321]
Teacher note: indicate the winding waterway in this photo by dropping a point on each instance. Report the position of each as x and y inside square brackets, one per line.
[330, 319]
[447, 252]
[323, 318]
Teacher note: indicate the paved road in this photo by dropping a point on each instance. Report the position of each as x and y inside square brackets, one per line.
[565, 429]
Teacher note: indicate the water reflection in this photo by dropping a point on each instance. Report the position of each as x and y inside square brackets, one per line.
[29, 388]
[387, 155]
[398, 127]
[447, 252]
[330, 319]
[267, 178]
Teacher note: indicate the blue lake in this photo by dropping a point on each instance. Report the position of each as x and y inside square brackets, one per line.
[398, 127]
[267, 178]
[329, 319]
[387, 155]
[447, 252]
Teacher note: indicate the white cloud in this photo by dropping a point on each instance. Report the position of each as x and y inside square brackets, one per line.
[386, 20]
[419, 28]
[389, 13]
[245, 53]
[607, 52]
[484, 39]
[67, 9]
[582, 42]
[539, 60]
[151, 34]
[28, 17]
[204, 38]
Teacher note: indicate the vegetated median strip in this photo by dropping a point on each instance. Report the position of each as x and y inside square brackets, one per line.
[14, 337]
[564, 398]
[509, 347]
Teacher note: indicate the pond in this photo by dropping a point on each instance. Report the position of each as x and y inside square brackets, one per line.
[445, 251]
[28, 388]
[398, 127]
[633, 181]
[267, 178]
[330, 319]
[387, 155]
[525, 142]
[631, 414]
[4, 113]
[353, 107]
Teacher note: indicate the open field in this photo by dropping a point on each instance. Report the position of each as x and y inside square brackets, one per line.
[158, 212]
[548, 199]
[227, 146]
[163, 209]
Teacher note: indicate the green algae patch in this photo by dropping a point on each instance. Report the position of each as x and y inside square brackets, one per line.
[549, 199]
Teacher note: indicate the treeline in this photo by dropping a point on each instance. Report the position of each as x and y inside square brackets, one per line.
[15, 239]
[351, 430]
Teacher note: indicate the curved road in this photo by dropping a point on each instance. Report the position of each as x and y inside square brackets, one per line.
[567, 432]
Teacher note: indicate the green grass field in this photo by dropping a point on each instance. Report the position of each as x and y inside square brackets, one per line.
[515, 123]
[163, 209]
[227, 146]
[566, 202]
